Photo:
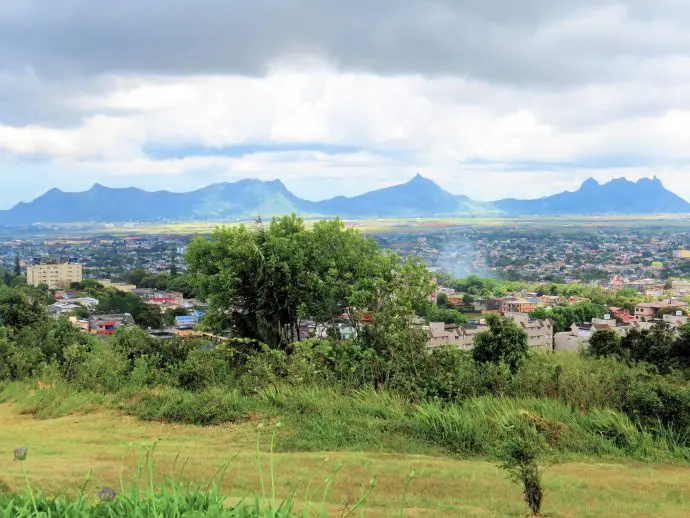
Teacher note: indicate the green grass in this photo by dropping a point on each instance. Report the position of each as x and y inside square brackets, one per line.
[64, 450]
[325, 419]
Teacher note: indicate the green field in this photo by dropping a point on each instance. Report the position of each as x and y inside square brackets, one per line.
[64, 450]
[328, 447]
[382, 225]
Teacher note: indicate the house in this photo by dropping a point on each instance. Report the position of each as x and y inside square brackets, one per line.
[456, 300]
[493, 307]
[650, 310]
[82, 325]
[519, 305]
[185, 322]
[552, 300]
[62, 308]
[621, 314]
[109, 324]
[579, 334]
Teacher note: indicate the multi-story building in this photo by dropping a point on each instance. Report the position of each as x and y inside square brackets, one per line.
[539, 333]
[650, 310]
[519, 305]
[54, 273]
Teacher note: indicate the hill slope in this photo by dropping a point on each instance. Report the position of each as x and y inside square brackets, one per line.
[419, 197]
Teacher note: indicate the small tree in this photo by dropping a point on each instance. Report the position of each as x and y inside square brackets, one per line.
[504, 341]
[518, 452]
[17, 266]
[605, 342]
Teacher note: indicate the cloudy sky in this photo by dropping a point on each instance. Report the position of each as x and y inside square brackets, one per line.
[490, 98]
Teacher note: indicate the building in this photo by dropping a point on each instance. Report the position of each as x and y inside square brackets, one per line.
[621, 314]
[650, 310]
[681, 254]
[54, 273]
[539, 332]
[462, 337]
[108, 324]
[185, 322]
[519, 305]
[62, 308]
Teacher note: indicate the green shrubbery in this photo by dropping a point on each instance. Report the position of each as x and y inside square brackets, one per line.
[196, 382]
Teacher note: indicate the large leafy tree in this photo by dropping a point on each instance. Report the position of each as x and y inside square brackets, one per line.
[17, 310]
[254, 279]
[261, 282]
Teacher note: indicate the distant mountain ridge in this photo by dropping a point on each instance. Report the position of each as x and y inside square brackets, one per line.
[246, 199]
[619, 196]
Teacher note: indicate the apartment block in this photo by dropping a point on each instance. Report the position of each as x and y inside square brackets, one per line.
[55, 274]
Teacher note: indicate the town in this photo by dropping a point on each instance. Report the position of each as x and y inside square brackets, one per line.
[634, 257]
[150, 268]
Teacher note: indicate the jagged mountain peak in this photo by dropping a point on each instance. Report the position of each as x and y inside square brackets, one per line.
[617, 196]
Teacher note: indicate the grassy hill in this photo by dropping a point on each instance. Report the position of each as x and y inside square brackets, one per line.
[326, 467]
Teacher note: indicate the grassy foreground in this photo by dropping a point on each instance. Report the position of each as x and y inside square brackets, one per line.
[64, 450]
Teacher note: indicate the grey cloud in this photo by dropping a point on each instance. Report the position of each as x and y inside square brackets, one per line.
[489, 40]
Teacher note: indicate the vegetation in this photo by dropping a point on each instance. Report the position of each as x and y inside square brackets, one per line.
[519, 452]
[63, 451]
[379, 390]
[563, 317]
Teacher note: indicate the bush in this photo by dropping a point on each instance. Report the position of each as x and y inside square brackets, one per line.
[104, 369]
[204, 368]
[207, 407]
[518, 452]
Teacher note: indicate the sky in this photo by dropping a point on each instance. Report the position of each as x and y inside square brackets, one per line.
[489, 98]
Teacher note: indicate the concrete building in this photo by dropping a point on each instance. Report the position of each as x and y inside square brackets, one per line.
[649, 310]
[519, 305]
[539, 332]
[55, 274]
[462, 337]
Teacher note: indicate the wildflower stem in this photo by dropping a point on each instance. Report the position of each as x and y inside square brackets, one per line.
[28, 485]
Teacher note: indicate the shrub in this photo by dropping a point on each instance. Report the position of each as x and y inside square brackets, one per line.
[211, 406]
[518, 452]
[104, 369]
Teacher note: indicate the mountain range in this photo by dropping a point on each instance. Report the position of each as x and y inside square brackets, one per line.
[246, 199]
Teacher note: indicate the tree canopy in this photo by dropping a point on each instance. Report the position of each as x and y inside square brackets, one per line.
[262, 281]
